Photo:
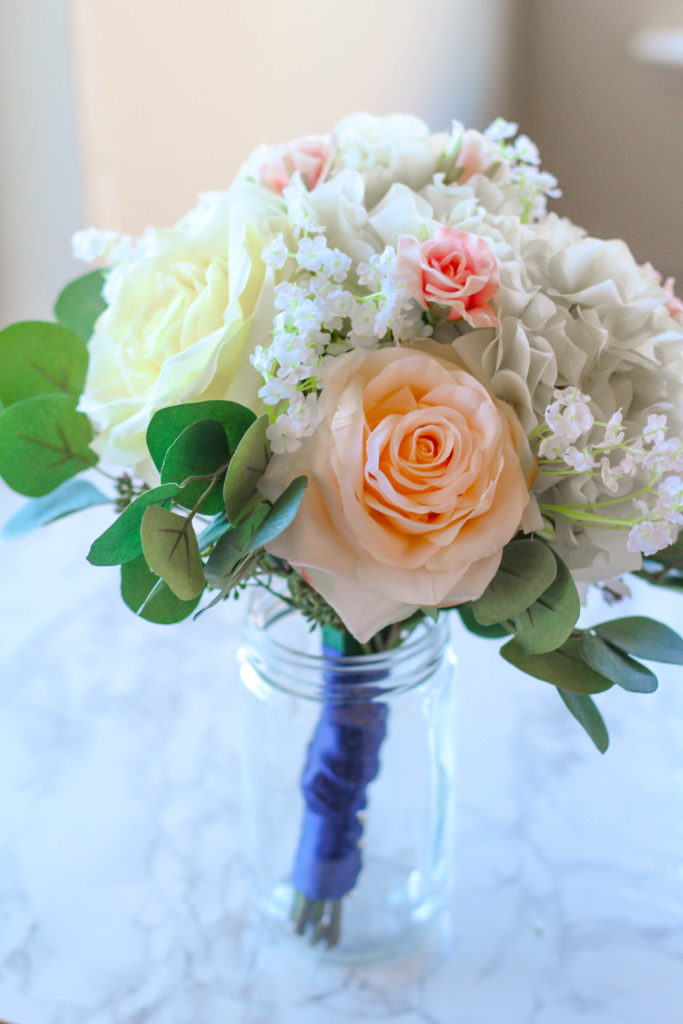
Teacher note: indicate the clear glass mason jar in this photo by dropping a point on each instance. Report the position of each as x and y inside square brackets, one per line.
[390, 712]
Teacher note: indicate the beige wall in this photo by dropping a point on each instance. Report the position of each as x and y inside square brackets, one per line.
[168, 106]
[610, 128]
[173, 94]
[40, 196]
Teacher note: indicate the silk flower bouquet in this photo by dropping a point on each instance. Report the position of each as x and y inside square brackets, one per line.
[377, 377]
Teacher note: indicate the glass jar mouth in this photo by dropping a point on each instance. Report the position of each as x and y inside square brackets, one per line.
[352, 678]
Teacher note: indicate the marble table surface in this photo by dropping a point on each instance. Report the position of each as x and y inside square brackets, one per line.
[121, 891]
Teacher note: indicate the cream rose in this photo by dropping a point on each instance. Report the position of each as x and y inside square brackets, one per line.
[387, 149]
[417, 478]
[184, 314]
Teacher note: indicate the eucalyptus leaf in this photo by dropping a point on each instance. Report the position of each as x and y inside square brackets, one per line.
[71, 496]
[213, 531]
[587, 715]
[526, 570]
[612, 663]
[549, 621]
[121, 542]
[200, 451]
[281, 513]
[494, 632]
[43, 442]
[563, 667]
[240, 572]
[80, 303]
[168, 424]
[233, 547]
[149, 597]
[246, 468]
[39, 358]
[640, 636]
[171, 551]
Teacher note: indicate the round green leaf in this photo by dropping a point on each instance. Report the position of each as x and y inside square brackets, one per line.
[149, 597]
[121, 542]
[526, 570]
[246, 468]
[610, 662]
[171, 551]
[38, 359]
[71, 496]
[564, 667]
[549, 621]
[494, 632]
[642, 637]
[80, 303]
[168, 424]
[199, 451]
[43, 442]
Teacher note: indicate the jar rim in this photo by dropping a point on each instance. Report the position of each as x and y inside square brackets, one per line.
[398, 668]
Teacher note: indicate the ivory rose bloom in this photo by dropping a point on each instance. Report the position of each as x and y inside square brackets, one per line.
[184, 313]
[417, 478]
[453, 269]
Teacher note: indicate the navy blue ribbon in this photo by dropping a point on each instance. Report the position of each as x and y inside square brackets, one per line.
[343, 758]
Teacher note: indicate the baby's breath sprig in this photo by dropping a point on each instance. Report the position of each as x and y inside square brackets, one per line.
[323, 313]
[650, 504]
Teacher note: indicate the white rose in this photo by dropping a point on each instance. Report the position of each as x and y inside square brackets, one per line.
[185, 312]
[387, 149]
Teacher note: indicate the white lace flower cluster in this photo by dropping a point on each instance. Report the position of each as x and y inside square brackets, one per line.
[91, 244]
[647, 490]
[524, 161]
[321, 317]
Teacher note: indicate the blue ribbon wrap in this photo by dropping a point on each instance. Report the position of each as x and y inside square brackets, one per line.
[342, 759]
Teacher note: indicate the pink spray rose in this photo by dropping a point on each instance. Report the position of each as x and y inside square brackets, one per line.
[476, 155]
[453, 269]
[417, 478]
[673, 304]
[311, 156]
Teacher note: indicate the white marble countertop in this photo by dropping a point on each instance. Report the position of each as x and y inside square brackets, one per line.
[121, 895]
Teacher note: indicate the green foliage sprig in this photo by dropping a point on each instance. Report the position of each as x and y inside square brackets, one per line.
[533, 600]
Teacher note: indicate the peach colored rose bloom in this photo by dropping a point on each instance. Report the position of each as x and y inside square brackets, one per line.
[311, 156]
[417, 478]
[453, 269]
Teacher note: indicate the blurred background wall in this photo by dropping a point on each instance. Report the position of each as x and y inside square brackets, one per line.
[119, 113]
[40, 184]
[609, 124]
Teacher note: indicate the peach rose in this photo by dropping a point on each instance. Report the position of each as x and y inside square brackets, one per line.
[417, 478]
[453, 269]
[311, 156]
